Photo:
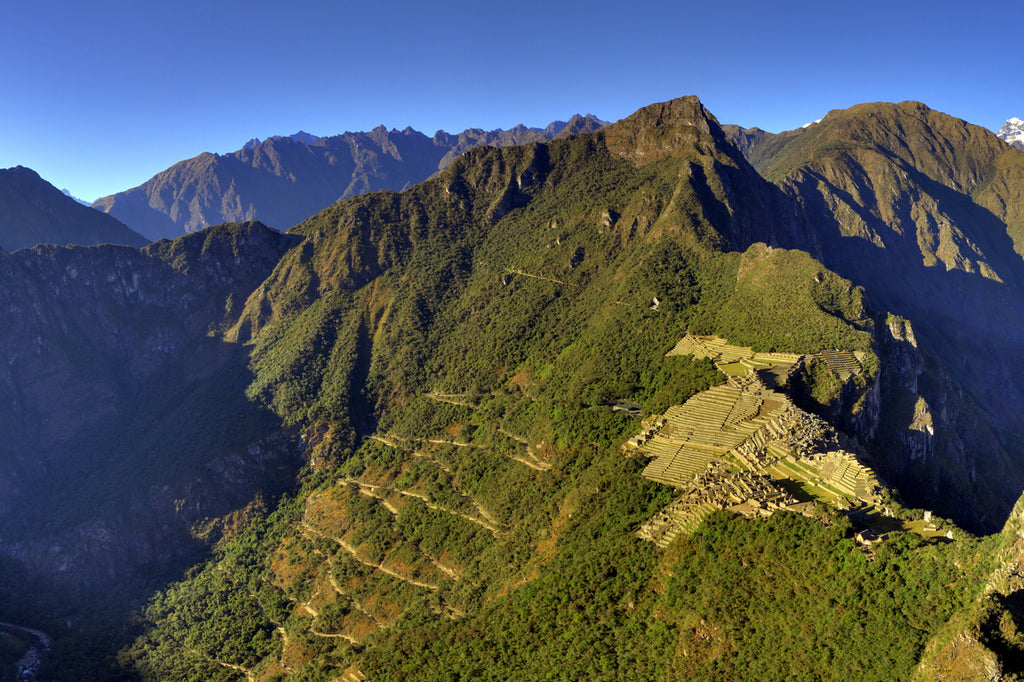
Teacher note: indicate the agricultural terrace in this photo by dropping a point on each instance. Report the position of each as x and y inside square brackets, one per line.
[745, 447]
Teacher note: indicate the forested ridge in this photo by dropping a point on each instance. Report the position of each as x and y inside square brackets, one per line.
[447, 361]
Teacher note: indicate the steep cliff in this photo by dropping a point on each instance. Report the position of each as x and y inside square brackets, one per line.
[120, 410]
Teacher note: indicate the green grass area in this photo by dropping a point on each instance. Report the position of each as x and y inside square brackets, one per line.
[734, 369]
[925, 529]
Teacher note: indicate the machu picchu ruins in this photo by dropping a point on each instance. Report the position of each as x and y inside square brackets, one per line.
[744, 446]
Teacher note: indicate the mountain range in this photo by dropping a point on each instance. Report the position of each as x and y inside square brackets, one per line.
[282, 180]
[406, 438]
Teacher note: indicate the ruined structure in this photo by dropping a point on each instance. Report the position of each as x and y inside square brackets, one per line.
[745, 447]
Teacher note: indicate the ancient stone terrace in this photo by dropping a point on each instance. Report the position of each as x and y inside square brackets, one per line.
[843, 364]
[744, 492]
[721, 351]
[736, 362]
[742, 446]
[834, 477]
[705, 428]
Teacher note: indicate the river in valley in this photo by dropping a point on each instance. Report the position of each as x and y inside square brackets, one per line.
[29, 663]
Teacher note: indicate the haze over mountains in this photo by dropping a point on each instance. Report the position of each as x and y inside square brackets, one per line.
[282, 180]
[388, 441]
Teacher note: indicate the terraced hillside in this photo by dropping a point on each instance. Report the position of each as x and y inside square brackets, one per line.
[706, 428]
[745, 447]
[458, 366]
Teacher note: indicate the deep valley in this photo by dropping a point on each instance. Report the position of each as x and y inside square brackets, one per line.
[661, 399]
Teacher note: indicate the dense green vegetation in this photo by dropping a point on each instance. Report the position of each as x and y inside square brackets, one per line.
[479, 327]
[785, 598]
[449, 361]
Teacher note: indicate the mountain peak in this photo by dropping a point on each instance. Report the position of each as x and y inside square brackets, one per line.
[66, 192]
[33, 211]
[661, 129]
[303, 136]
[1012, 132]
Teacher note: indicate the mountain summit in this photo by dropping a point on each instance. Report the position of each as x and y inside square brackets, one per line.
[1012, 132]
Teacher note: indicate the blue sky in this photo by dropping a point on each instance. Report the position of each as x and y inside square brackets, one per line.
[99, 97]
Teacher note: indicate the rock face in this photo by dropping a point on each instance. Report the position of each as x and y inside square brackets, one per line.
[283, 180]
[924, 211]
[32, 211]
[934, 441]
[105, 351]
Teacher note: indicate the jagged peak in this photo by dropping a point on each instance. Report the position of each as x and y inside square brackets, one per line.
[661, 129]
[303, 136]
[1012, 132]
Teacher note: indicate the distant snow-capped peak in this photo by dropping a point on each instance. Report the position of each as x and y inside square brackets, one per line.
[1013, 132]
[69, 195]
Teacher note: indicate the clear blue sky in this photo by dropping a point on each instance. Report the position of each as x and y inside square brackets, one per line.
[99, 96]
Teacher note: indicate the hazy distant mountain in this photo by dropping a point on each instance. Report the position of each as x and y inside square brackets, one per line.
[1013, 132]
[282, 180]
[66, 192]
[301, 136]
[32, 211]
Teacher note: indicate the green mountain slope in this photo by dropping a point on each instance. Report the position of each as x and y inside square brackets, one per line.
[458, 367]
[922, 210]
[451, 352]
